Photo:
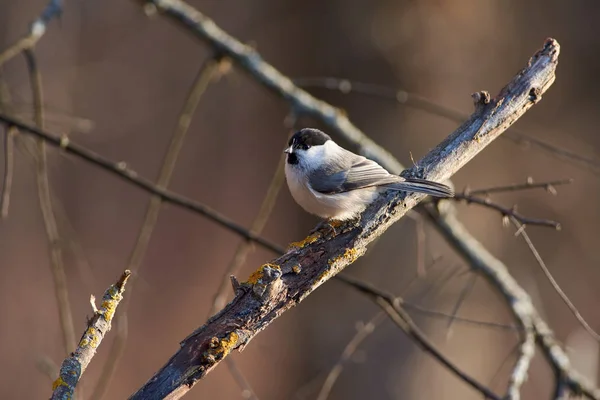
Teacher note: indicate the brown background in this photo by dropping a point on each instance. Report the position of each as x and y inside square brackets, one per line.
[106, 62]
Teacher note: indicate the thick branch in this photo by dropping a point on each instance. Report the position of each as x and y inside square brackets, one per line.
[287, 280]
[98, 326]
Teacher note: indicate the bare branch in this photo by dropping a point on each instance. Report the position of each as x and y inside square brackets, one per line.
[506, 212]
[287, 280]
[529, 184]
[98, 326]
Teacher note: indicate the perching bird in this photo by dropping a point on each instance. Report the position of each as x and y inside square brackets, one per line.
[333, 183]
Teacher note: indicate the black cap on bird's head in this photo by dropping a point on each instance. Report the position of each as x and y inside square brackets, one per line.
[305, 139]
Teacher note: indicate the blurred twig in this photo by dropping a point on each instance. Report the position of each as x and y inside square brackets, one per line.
[506, 212]
[47, 366]
[9, 143]
[98, 326]
[45, 198]
[243, 248]
[416, 101]
[529, 184]
[206, 74]
[393, 307]
[462, 297]
[522, 232]
[121, 170]
[519, 302]
[362, 333]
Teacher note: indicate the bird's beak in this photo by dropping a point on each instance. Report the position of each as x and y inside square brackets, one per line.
[289, 150]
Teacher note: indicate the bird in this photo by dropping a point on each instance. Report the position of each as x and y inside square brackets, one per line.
[336, 184]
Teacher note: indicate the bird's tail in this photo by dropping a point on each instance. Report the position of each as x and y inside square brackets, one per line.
[423, 186]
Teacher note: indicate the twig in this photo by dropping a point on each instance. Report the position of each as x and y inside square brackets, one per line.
[205, 76]
[241, 380]
[287, 280]
[529, 184]
[98, 326]
[9, 144]
[243, 248]
[121, 170]
[38, 28]
[464, 293]
[508, 356]
[553, 281]
[393, 307]
[362, 333]
[482, 261]
[56, 258]
[413, 100]
[47, 367]
[367, 329]
[506, 212]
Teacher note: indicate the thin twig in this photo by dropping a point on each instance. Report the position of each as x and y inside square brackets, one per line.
[98, 326]
[48, 367]
[45, 199]
[505, 360]
[362, 333]
[464, 293]
[393, 307]
[243, 248]
[121, 170]
[7, 179]
[506, 212]
[241, 380]
[9, 143]
[519, 302]
[367, 329]
[416, 101]
[529, 184]
[204, 77]
[553, 282]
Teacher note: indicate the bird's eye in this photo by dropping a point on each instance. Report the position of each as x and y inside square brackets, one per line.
[306, 146]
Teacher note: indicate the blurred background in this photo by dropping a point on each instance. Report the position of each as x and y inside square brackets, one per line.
[116, 80]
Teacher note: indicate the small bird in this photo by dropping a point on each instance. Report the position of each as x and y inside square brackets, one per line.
[333, 183]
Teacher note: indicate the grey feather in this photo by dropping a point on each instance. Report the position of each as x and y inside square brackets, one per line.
[348, 171]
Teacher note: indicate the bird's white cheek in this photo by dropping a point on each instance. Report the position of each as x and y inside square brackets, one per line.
[311, 158]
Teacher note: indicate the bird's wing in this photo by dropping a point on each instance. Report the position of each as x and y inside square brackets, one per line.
[350, 172]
